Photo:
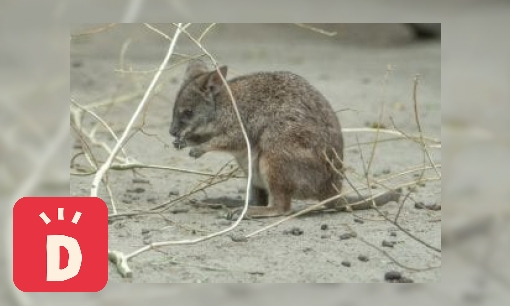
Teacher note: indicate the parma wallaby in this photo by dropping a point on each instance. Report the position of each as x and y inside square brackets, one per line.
[295, 136]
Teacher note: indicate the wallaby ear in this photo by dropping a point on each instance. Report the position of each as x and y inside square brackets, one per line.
[214, 82]
[195, 68]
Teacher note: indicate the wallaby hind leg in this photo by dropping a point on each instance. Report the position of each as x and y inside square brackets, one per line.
[279, 194]
[258, 196]
[279, 204]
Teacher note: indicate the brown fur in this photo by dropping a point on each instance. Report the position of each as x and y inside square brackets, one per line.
[290, 125]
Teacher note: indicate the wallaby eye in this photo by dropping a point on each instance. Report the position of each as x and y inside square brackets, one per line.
[187, 113]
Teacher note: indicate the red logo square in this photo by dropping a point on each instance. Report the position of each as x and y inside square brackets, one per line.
[60, 244]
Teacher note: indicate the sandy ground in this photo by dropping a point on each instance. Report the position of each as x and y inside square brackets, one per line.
[349, 70]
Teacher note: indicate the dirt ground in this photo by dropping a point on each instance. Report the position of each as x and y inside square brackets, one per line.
[351, 70]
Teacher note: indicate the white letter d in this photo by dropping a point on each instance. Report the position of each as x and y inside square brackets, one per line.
[53, 244]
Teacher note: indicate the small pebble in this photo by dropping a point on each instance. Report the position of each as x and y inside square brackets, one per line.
[386, 171]
[363, 258]
[347, 236]
[179, 211]
[140, 181]
[215, 206]
[393, 234]
[346, 263]
[324, 227]
[325, 236]
[238, 238]
[357, 220]
[419, 205]
[145, 231]
[173, 193]
[136, 190]
[296, 231]
[388, 244]
[392, 276]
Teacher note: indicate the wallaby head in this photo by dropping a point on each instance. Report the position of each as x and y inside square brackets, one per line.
[195, 105]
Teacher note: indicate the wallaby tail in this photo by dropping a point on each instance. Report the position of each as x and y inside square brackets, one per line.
[360, 202]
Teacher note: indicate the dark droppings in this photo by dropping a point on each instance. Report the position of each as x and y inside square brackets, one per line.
[363, 258]
[388, 244]
[348, 236]
[296, 231]
[396, 277]
[392, 276]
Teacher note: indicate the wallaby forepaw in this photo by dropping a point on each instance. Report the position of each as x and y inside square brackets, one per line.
[196, 152]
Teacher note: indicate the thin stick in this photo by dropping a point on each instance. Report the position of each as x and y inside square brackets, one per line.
[121, 259]
[112, 199]
[321, 31]
[161, 167]
[94, 30]
[104, 168]
[388, 131]
[212, 25]
[89, 156]
[157, 31]
[381, 114]
[243, 130]
[122, 99]
[187, 59]
[417, 118]
[107, 127]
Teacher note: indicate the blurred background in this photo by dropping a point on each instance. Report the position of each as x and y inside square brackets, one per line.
[34, 91]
